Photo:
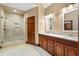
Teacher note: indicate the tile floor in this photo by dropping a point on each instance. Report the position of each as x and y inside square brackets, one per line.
[23, 50]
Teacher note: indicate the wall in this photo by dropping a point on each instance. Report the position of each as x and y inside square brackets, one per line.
[13, 31]
[38, 12]
[41, 19]
[57, 10]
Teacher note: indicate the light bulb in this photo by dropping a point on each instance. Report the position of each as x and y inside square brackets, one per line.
[70, 6]
[64, 9]
[15, 10]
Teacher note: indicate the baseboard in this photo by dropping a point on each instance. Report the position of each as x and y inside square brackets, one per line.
[37, 44]
[26, 42]
[32, 44]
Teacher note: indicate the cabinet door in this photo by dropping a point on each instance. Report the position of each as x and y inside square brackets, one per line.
[45, 43]
[40, 41]
[71, 51]
[59, 49]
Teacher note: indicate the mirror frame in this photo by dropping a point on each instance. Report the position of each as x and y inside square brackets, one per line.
[50, 30]
[75, 8]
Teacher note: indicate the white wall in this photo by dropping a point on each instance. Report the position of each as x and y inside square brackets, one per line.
[38, 12]
[41, 19]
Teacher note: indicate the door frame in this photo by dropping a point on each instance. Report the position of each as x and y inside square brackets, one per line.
[26, 30]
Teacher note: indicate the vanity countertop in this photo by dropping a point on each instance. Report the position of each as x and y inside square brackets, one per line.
[72, 38]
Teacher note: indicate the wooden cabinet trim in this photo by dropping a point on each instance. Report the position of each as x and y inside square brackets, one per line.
[54, 43]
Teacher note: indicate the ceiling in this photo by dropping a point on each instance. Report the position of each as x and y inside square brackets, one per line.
[25, 6]
[21, 7]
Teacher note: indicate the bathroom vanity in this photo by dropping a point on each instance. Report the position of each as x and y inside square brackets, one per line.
[61, 32]
[58, 45]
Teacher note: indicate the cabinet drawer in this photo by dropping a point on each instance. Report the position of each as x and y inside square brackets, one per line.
[50, 45]
[50, 50]
[50, 41]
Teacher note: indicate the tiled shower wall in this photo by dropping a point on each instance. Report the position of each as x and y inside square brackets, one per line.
[1, 23]
[14, 27]
[11, 27]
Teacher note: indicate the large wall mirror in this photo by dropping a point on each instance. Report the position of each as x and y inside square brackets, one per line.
[49, 20]
[70, 23]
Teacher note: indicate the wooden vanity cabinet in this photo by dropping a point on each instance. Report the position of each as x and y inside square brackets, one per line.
[71, 51]
[58, 47]
[50, 46]
[43, 42]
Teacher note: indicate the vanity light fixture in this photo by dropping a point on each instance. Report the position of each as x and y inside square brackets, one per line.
[70, 7]
[64, 9]
[49, 15]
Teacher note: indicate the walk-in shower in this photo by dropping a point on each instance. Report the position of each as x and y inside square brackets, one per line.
[11, 28]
